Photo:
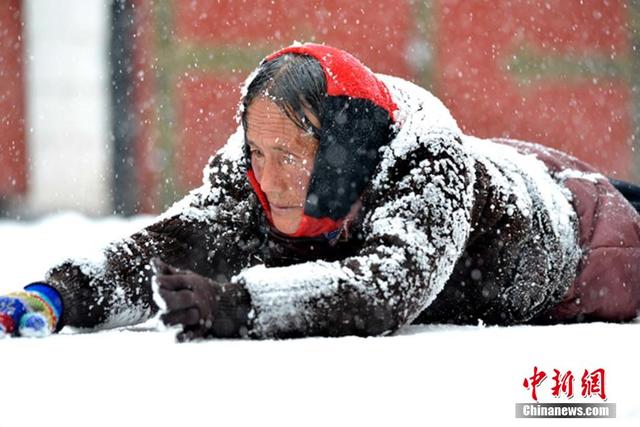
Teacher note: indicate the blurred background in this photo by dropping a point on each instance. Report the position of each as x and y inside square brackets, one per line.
[113, 107]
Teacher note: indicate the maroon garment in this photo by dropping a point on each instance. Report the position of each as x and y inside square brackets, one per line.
[607, 285]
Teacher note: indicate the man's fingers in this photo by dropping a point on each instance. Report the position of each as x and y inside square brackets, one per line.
[188, 317]
[178, 300]
[190, 334]
[161, 267]
[173, 282]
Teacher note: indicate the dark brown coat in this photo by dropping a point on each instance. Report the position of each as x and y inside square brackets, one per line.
[451, 229]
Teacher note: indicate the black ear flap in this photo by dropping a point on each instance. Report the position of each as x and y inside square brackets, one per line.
[352, 131]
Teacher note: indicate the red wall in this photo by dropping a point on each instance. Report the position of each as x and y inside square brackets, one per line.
[12, 131]
[558, 97]
[193, 72]
[558, 72]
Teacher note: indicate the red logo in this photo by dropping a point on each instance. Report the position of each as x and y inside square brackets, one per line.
[592, 383]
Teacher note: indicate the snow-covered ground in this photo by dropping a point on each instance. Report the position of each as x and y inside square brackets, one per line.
[426, 375]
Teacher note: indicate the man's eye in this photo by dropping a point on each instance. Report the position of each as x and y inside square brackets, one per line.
[256, 153]
[289, 159]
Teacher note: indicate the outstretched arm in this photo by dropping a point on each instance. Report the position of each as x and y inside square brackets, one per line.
[211, 231]
[416, 227]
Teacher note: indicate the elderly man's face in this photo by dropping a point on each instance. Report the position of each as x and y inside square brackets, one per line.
[282, 157]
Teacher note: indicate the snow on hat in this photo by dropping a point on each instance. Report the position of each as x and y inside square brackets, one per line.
[358, 116]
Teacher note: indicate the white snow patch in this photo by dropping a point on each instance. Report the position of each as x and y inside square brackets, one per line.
[576, 174]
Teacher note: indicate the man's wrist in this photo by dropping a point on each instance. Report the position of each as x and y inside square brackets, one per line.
[233, 311]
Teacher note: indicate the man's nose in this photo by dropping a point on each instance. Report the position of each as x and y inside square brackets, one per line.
[272, 180]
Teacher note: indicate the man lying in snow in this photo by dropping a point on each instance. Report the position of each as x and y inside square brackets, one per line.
[349, 202]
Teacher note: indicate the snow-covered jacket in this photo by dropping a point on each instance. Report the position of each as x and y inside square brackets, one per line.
[450, 228]
[606, 286]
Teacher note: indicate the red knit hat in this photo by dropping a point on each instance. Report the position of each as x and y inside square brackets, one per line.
[337, 182]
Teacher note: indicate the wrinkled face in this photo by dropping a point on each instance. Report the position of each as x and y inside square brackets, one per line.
[282, 157]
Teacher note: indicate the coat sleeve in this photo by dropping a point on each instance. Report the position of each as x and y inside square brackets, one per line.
[416, 224]
[533, 246]
[523, 254]
[211, 231]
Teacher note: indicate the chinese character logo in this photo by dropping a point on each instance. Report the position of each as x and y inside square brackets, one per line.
[534, 381]
[592, 383]
[562, 384]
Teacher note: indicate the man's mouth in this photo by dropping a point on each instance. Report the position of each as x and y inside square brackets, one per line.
[283, 208]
